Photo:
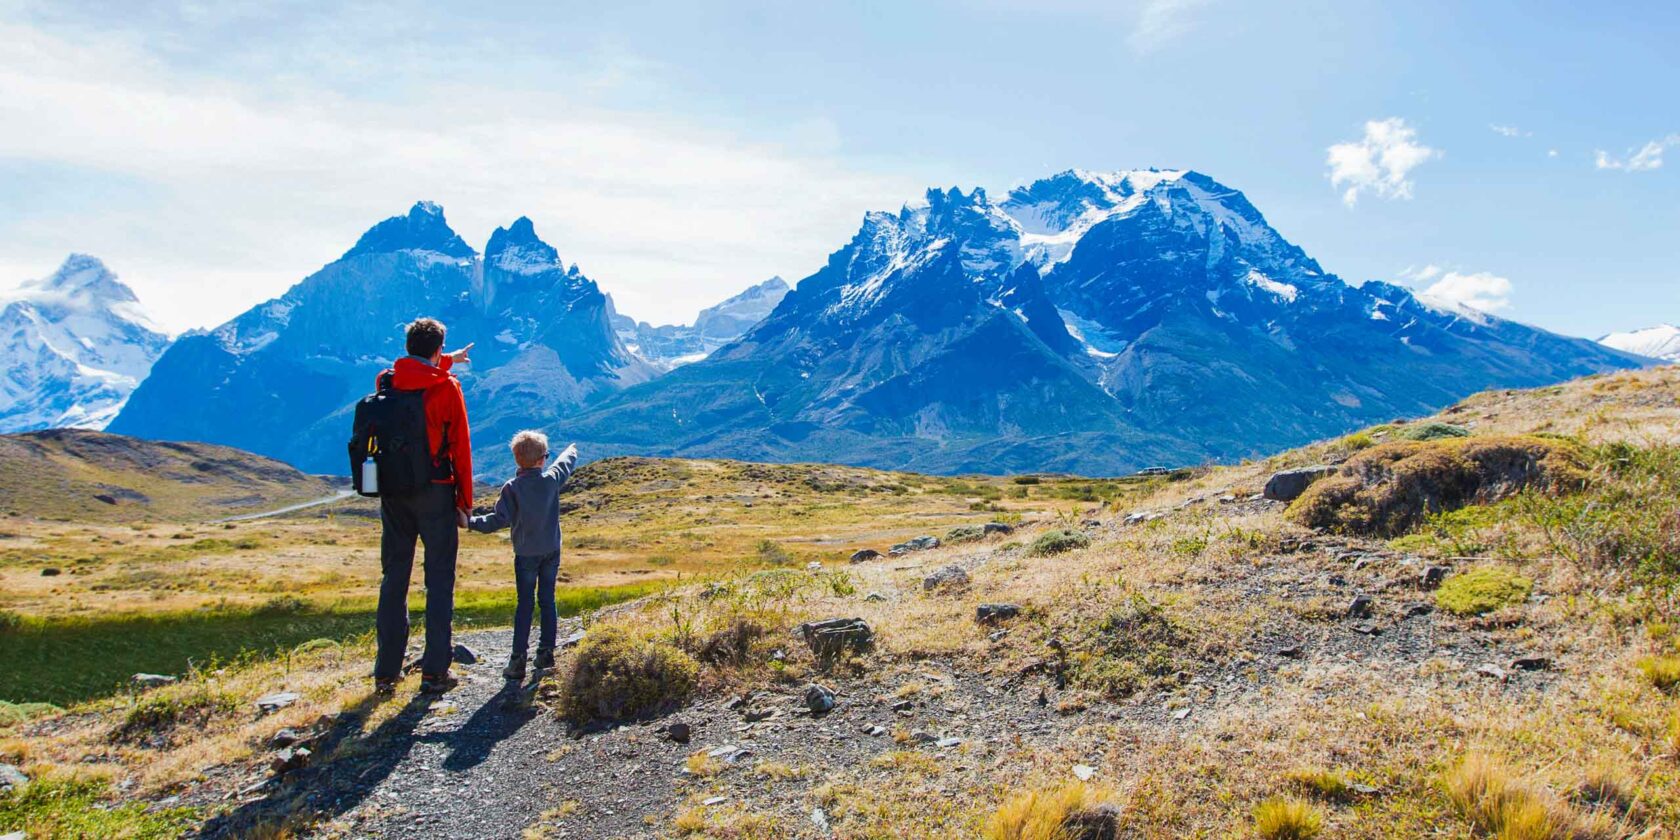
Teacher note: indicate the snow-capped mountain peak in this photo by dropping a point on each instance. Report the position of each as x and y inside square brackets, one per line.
[423, 228]
[517, 249]
[1658, 342]
[78, 342]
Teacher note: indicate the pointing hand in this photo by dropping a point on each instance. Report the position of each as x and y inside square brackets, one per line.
[460, 356]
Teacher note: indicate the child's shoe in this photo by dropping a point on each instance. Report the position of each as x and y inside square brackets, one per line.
[545, 660]
[515, 671]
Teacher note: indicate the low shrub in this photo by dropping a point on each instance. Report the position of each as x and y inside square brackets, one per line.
[1483, 791]
[1387, 490]
[1483, 590]
[1135, 645]
[619, 676]
[771, 553]
[80, 808]
[14, 713]
[732, 643]
[157, 716]
[1283, 818]
[10, 622]
[1432, 431]
[964, 534]
[1663, 672]
[1074, 811]
[1057, 542]
[1323, 783]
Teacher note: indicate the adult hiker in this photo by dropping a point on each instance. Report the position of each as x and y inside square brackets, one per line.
[432, 512]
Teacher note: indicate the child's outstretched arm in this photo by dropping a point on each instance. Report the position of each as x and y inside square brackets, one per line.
[497, 519]
[563, 464]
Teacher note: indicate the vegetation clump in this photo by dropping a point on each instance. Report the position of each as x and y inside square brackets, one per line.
[1283, 818]
[619, 676]
[157, 716]
[1075, 811]
[1483, 590]
[78, 808]
[1434, 430]
[1057, 542]
[1663, 672]
[1132, 647]
[965, 534]
[1389, 489]
[1486, 795]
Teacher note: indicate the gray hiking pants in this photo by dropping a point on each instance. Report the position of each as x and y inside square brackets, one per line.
[430, 516]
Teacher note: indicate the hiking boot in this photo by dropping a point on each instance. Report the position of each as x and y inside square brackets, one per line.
[514, 672]
[437, 683]
[384, 686]
[545, 660]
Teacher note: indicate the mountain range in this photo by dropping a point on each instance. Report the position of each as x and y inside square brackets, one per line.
[1659, 342]
[1091, 322]
[77, 343]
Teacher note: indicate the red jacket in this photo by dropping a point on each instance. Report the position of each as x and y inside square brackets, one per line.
[444, 405]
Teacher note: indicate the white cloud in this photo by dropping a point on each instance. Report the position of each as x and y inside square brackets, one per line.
[1509, 130]
[1642, 159]
[1551, 153]
[1481, 290]
[1161, 21]
[1380, 163]
[247, 188]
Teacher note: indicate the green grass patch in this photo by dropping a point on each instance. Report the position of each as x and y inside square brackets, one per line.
[1661, 671]
[65, 661]
[1432, 431]
[1057, 542]
[79, 809]
[1483, 590]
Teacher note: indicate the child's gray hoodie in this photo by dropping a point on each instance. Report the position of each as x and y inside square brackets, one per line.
[530, 505]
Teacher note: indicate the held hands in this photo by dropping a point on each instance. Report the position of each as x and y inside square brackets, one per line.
[459, 357]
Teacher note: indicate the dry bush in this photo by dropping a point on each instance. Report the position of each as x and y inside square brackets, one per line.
[1283, 818]
[620, 676]
[1387, 490]
[1076, 811]
[1486, 794]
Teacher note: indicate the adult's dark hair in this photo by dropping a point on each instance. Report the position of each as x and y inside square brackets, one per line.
[425, 337]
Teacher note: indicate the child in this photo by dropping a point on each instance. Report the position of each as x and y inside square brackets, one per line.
[530, 505]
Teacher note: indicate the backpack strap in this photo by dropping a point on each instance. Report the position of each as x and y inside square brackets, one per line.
[385, 381]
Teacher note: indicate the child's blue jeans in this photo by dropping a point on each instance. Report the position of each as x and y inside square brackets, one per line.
[535, 578]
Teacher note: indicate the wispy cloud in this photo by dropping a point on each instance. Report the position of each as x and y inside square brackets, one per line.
[1161, 21]
[1508, 130]
[1481, 290]
[1643, 159]
[1380, 163]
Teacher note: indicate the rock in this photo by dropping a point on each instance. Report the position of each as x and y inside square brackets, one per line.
[679, 732]
[946, 578]
[11, 778]
[464, 655]
[146, 681]
[1084, 772]
[289, 759]
[271, 703]
[835, 636]
[947, 742]
[1360, 607]
[875, 730]
[819, 699]
[51, 572]
[714, 800]
[1415, 610]
[16, 835]
[1492, 671]
[284, 738]
[991, 528]
[813, 566]
[757, 715]
[995, 613]
[923, 543]
[902, 706]
[1433, 576]
[1288, 485]
[819, 818]
[924, 737]
[1531, 663]
[1362, 789]
[1099, 822]
[572, 639]
[996, 635]
[1290, 651]
[1181, 714]
[874, 596]
[864, 555]
[1367, 628]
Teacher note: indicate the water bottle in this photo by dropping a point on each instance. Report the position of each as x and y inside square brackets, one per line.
[370, 477]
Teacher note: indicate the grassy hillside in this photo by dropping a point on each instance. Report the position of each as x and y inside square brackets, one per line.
[79, 475]
[1468, 630]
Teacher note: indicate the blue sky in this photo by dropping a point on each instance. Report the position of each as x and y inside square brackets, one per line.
[1506, 153]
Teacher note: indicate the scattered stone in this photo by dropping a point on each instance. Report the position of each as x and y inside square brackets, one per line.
[1433, 576]
[874, 596]
[1531, 663]
[1099, 822]
[819, 819]
[864, 555]
[996, 635]
[1363, 789]
[923, 543]
[289, 759]
[1090, 523]
[572, 639]
[757, 715]
[16, 835]
[1360, 607]
[271, 703]
[902, 706]
[714, 800]
[51, 571]
[1181, 714]
[1367, 628]
[995, 613]
[1288, 485]
[951, 577]
[1493, 671]
[11, 778]
[875, 730]
[464, 655]
[991, 528]
[947, 742]
[813, 566]
[739, 701]
[1084, 772]
[924, 737]
[819, 699]
[1415, 610]
[1290, 651]
[284, 738]
[835, 636]
[679, 732]
[146, 681]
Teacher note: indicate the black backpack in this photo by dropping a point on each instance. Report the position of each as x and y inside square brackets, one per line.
[390, 428]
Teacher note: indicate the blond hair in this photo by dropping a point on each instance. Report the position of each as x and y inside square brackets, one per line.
[529, 447]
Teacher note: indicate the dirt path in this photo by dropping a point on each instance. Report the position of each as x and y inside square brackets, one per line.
[324, 500]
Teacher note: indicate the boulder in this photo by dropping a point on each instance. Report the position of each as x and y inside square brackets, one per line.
[284, 738]
[464, 655]
[951, 577]
[923, 543]
[996, 613]
[864, 555]
[289, 759]
[146, 681]
[1360, 607]
[819, 699]
[1288, 485]
[991, 528]
[679, 732]
[1433, 576]
[270, 703]
[835, 636]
